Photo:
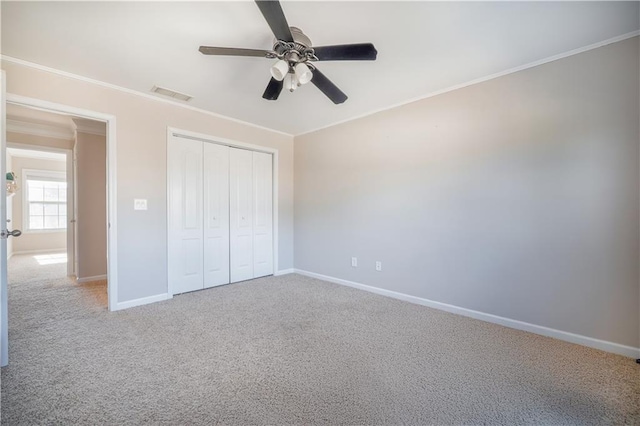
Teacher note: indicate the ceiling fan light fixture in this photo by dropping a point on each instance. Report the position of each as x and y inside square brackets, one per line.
[303, 73]
[280, 69]
[296, 56]
[291, 82]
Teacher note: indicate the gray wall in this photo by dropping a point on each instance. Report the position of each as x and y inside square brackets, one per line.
[91, 167]
[516, 197]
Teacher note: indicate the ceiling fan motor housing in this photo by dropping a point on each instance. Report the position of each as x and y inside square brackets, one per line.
[294, 51]
[300, 37]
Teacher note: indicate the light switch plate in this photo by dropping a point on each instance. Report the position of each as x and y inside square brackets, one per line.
[378, 266]
[139, 204]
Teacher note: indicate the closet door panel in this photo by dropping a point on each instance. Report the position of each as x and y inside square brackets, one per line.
[192, 265]
[263, 214]
[241, 214]
[185, 215]
[216, 215]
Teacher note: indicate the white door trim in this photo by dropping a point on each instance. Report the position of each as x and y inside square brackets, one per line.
[172, 131]
[112, 200]
[4, 317]
[70, 196]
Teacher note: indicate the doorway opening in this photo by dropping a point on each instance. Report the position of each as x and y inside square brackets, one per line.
[57, 197]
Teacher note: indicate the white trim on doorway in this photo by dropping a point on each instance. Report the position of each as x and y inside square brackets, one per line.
[172, 131]
[112, 200]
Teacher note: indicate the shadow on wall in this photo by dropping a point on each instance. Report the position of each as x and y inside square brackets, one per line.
[91, 187]
[515, 197]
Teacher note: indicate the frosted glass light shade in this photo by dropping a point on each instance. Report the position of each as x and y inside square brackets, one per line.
[279, 70]
[303, 73]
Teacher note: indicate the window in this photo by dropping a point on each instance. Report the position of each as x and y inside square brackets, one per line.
[45, 200]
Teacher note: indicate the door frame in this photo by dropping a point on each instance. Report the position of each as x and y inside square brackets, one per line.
[112, 200]
[4, 316]
[71, 213]
[173, 131]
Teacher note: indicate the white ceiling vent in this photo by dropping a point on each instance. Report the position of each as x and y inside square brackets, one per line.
[171, 93]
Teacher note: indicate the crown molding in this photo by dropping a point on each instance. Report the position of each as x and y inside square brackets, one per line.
[134, 92]
[483, 79]
[38, 129]
[366, 114]
[89, 126]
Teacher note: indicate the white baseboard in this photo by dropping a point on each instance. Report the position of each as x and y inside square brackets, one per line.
[284, 272]
[142, 301]
[507, 322]
[48, 251]
[89, 279]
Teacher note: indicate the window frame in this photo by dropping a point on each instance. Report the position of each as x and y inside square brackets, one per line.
[34, 174]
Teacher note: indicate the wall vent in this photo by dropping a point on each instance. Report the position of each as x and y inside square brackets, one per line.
[171, 93]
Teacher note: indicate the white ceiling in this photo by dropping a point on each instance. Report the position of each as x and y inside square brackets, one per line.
[423, 47]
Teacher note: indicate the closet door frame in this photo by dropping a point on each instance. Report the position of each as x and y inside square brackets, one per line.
[172, 131]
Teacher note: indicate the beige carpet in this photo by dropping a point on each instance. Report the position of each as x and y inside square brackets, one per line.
[289, 350]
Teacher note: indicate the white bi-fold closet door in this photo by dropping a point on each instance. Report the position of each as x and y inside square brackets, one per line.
[220, 214]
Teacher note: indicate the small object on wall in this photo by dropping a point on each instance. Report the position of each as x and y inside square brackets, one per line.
[139, 204]
[12, 184]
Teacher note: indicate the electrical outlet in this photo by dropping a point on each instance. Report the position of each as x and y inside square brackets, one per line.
[354, 262]
[378, 266]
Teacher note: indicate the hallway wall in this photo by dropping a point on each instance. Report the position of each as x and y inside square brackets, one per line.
[91, 160]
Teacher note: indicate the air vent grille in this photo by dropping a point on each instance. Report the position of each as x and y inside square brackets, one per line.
[171, 93]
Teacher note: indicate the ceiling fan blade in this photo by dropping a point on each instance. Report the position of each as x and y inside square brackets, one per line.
[325, 85]
[232, 51]
[273, 14]
[273, 89]
[347, 52]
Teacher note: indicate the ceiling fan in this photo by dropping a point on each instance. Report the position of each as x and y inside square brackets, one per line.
[295, 55]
